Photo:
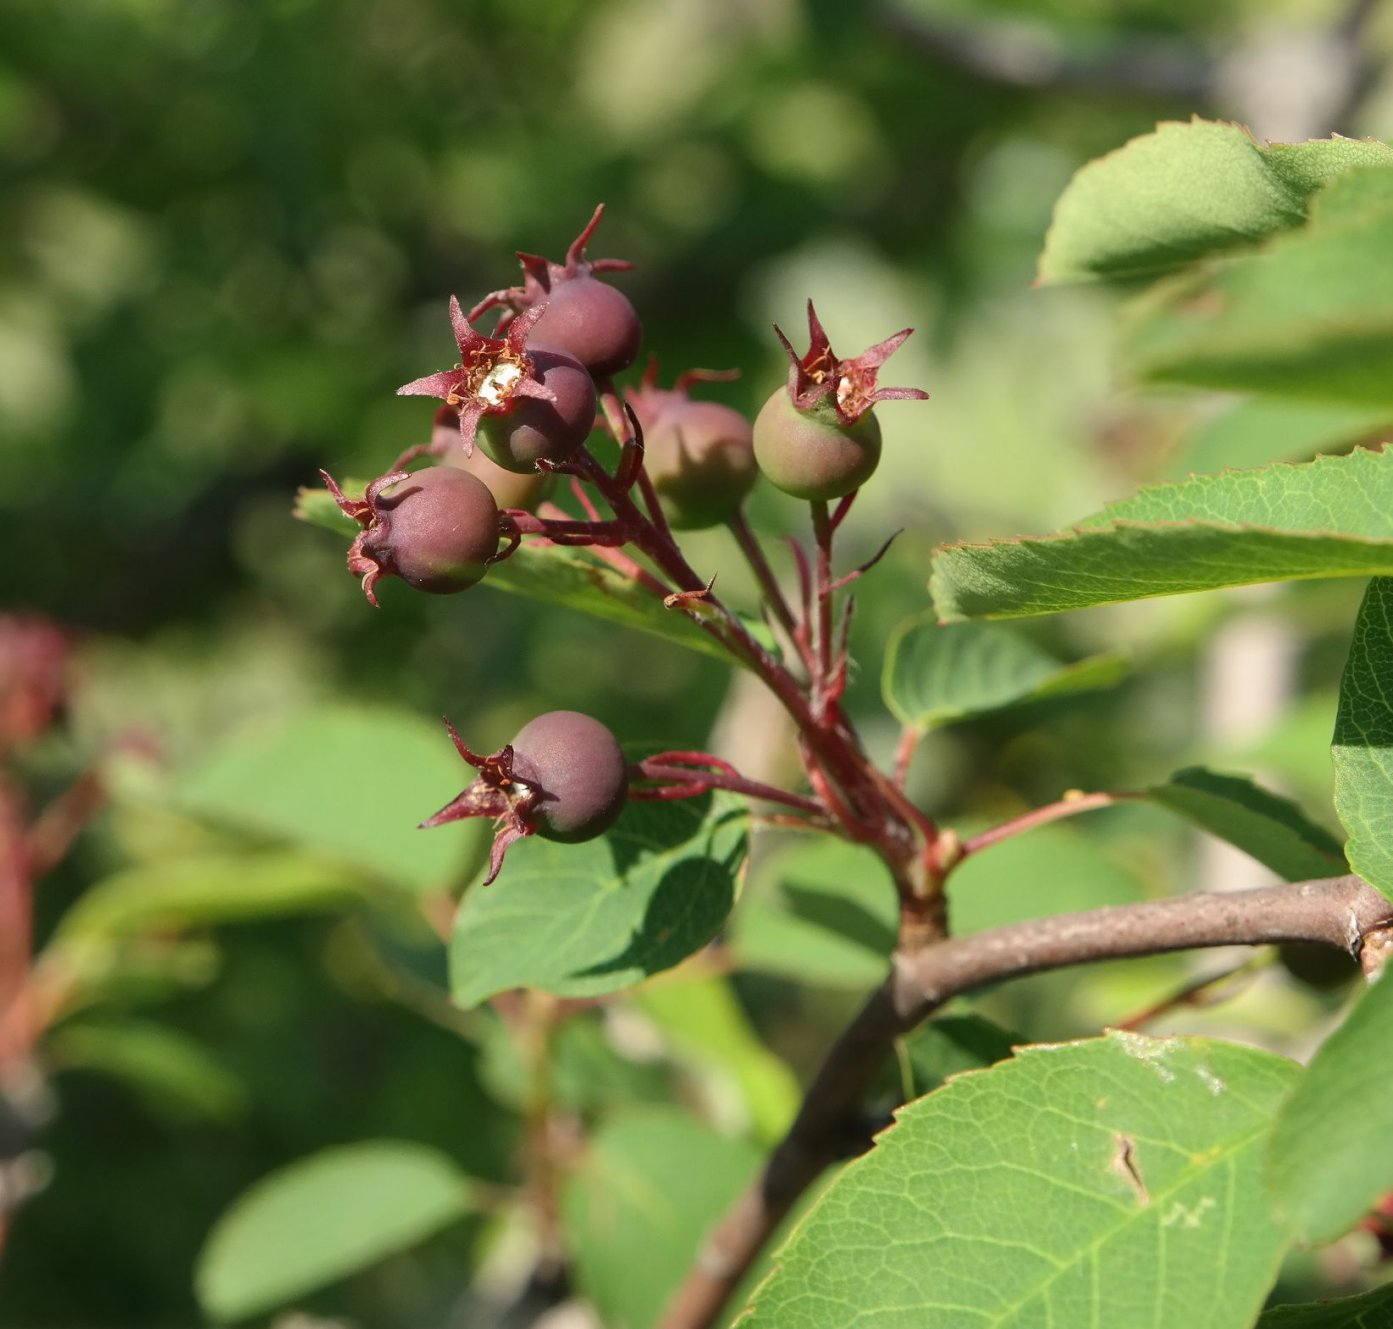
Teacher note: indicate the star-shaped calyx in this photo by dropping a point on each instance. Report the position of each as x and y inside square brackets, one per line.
[819, 381]
[587, 318]
[493, 372]
[496, 792]
[540, 276]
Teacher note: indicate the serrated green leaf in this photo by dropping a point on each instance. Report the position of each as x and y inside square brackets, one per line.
[706, 1027]
[323, 1218]
[353, 782]
[583, 919]
[825, 912]
[1096, 1184]
[1270, 828]
[176, 1077]
[1332, 517]
[206, 889]
[1370, 1310]
[1329, 1161]
[1268, 429]
[1308, 316]
[558, 575]
[637, 1209]
[1185, 191]
[936, 674]
[1362, 746]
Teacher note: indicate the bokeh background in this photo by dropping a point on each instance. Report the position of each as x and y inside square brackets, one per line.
[228, 231]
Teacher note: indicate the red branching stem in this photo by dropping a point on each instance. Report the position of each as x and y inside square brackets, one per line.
[684, 782]
[1070, 805]
[856, 573]
[774, 597]
[822, 633]
[843, 507]
[583, 498]
[17, 1025]
[904, 754]
[563, 531]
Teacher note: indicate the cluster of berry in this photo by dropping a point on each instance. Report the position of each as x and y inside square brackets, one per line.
[517, 412]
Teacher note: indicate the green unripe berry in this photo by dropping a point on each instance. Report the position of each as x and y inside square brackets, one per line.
[700, 457]
[813, 454]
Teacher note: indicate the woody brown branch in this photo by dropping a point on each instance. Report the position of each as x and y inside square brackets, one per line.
[1334, 911]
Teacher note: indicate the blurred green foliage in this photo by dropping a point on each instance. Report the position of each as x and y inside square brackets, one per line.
[227, 233]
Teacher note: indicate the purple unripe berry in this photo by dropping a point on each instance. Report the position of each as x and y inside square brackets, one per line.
[814, 454]
[593, 321]
[575, 766]
[700, 457]
[437, 530]
[538, 430]
[510, 489]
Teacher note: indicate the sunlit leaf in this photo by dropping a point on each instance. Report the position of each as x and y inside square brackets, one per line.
[1330, 1160]
[1109, 1182]
[1185, 191]
[581, 919]
[1362, 747]
[1332, 517]
[936, 674]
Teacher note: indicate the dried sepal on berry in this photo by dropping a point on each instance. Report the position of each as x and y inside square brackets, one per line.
[817, 438]
[819, 381]
[492, 375]
[563, 777]
[495, 793]
[437, 529]
[587, 318]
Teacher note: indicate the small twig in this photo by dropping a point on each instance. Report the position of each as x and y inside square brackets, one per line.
[904, 754]
[774, 596]
[1070, 805]
[1202, 992]
[865, 567]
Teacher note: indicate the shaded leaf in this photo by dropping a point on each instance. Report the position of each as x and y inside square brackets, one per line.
[1331, 517]
[350, 781]
[175, 1076]
[323, 1218]
[1308, 316]
[952, 1044]
[1270, 828]
[1330, 1161]
[582, 919]
[1362, 746]
[636, 1211]
[1185, 191]
[935, 674]
[829, 916]
[1371, 1310]
[1268, 429]
[1108, 1182]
